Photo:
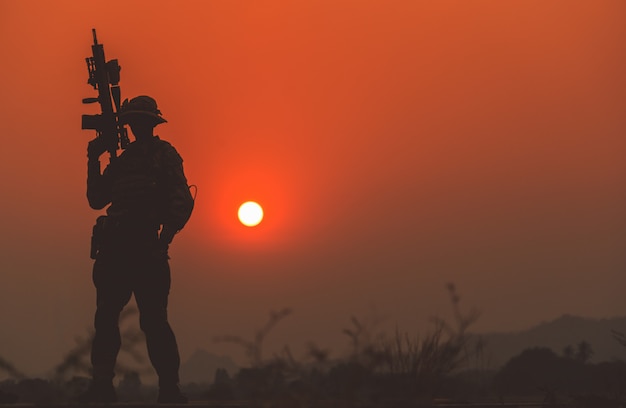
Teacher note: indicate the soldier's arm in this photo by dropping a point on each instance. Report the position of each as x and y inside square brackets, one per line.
[179, 202]
[98, 185]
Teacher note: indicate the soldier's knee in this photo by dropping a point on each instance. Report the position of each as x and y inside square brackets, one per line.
[153, 322]
[106, 318]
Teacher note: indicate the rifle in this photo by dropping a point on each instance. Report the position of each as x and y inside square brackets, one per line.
[105, 77]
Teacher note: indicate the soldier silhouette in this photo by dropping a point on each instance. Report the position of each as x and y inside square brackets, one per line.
[149, 202]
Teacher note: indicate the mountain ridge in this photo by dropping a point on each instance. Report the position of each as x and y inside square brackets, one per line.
[500, 347]
[557, 334]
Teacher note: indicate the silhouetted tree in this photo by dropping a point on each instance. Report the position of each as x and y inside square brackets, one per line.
[222, 387]
[540, 368]
[568, 351]
[254, 348]
[129, 388]
[10, 369]
[620, 337]
[9, 397]
[609, 378]
[583, 352]
[376, 369]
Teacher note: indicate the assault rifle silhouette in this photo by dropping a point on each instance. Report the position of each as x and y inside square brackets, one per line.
[104, 76]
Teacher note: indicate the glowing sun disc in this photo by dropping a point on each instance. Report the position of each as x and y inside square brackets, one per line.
[250, 213]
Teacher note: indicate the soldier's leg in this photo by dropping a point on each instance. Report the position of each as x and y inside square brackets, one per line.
[151, 293]
[113, 292]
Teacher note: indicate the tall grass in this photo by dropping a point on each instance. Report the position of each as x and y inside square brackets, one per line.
[253, 348]
[377, 367]
[10, 369]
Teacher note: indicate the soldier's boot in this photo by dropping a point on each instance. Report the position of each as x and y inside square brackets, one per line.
[98, 393]
[170, 394]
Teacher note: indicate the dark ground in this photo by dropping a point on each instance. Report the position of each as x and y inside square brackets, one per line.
[287, 404]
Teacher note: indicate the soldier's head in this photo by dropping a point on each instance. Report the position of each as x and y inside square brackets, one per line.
[141, 114]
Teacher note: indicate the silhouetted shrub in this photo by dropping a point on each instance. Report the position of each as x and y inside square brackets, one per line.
[222, 388]
[264, 382]
[376, 369]
[540, 368]
[38, 391]
[608, 378]
[130, 388]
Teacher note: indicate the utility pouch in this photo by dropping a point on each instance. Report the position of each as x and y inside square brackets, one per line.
[97, 236]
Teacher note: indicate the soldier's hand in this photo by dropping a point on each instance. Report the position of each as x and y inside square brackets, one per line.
[165, 239]
[167, 235]
[95, 148]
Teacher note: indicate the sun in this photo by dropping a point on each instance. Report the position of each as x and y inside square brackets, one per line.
[250, 213]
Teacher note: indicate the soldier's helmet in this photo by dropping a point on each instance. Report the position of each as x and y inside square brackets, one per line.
[144, 106]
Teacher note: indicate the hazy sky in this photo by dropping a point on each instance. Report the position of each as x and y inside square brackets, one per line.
[395, 145]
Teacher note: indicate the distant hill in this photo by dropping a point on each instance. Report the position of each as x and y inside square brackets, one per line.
[201, 367]
[558, 334]
[500, 347]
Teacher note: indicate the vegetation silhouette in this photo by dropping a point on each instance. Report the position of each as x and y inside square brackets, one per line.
[445, 364]
[70, 376]
[569, 378]
[620, 337]
[377, 368]
[448, 362]
[253, 348]
[10, 369]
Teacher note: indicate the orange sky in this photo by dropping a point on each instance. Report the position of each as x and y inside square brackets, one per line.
[395, 146]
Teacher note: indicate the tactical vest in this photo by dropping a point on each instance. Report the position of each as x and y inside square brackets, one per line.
[139, 183]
